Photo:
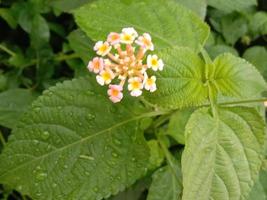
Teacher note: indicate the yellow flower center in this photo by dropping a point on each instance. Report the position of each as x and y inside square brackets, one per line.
[114, 92]
[136, 84]
[146, 42]
[115, 37]
[103, 48]
[96, 65]
[150, 82]
[154, 62]
[106, 76]
[127, 37]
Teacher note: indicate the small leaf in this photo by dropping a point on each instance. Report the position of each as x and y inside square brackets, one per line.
[216, 50]
[164, 185]
[236, 77]
[223, 156]
[178, 121]
[75, 139]
[156, 155]
[81, 44]
[257, 55]
[258, 24]
[233, 21]
[199, 7]
[230, 6]
[6, 14]
[13, 103]
[259, 190]
[99, 18]
[39, 33]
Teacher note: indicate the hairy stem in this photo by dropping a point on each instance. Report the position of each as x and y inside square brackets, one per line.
[8, 51]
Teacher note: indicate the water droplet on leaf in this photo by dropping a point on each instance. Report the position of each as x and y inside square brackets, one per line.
[45, 135]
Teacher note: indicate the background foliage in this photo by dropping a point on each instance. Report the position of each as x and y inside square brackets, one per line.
[41, 44]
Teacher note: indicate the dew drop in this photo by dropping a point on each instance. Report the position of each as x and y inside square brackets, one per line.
[54, 185]
[45, 135]
[86, 157]
[41, 176]
[95, 189]
[65, 166]
[117, 142]
[35, 141]
[114, 155]
[133, 159]
[87, 173]
[90, 92]
[90, 116]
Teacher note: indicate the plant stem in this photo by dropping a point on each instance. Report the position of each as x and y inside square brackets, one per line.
[8, 51]
[168, 157]
[58, 58]
[244, 101]
[2, 139]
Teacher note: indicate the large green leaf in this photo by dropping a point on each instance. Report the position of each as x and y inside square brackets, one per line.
[236, 77]
[230, 5]
[165, 185]
[75, 144]
[184, 80]
[222, 156]
[13, 103]
[181, 83]
[169, 23]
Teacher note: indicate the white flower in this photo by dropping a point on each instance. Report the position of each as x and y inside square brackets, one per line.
[101, 48]
[96, 65]
[154, 63]
[135, 86]
[128, 35]
[145, 41]
[105, 77]
[115, 93]
[150, 83]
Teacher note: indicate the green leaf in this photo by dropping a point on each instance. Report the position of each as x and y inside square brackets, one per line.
[164, 185]
[257, 55]
[233, 21]
[67, 5]
[215, 50]
[199, 7]
[81, 44]
[6, 14]
[180, 28]
[258, 24]
[135, 192]
[230, 5]
[181, 83]
[235, 77]
[39, 33]
[76, 144]
[156, 155]
[13, 103]
[178, 121]
[222, 156]
[259, 190]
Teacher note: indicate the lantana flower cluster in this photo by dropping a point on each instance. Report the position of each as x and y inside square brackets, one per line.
[122, 60]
